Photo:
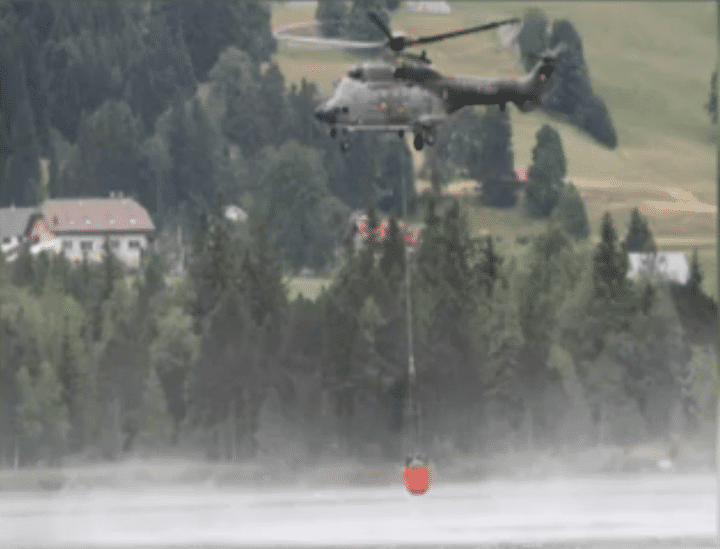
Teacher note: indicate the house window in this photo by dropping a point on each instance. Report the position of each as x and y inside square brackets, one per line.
[86, 245]
[67, 245]
[114, 244]
[134, 244]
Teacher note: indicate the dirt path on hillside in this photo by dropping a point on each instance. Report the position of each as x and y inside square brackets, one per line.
[680, 201]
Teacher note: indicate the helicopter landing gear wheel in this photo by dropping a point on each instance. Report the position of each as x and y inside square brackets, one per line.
[418, 142]
[344, 146]
[333, 132]
[401, 133]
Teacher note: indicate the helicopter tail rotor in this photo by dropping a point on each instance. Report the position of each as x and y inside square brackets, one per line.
[546, 66]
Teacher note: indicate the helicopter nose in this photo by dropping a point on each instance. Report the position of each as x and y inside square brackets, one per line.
[327, 115]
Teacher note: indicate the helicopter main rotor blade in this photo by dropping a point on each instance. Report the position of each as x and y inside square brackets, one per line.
[375, 19]
[453, 34]
[331, 42]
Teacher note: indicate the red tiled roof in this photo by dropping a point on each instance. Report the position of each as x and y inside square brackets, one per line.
[96, 215]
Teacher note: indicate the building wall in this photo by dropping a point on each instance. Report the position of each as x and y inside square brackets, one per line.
[39, 232]
[126, 247]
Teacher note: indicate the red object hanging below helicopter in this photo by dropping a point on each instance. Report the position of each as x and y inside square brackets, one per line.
[417, 476]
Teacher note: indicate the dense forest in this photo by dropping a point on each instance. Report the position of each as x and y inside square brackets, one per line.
[180, 105]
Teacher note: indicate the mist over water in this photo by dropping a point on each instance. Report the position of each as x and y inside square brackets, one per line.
[567, 512]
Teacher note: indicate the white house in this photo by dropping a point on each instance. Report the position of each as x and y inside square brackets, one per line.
[671, 266]
[80, 226]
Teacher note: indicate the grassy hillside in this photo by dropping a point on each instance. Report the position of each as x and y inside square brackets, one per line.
[651, 63]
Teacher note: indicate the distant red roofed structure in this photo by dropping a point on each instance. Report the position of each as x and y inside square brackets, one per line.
[412, 238]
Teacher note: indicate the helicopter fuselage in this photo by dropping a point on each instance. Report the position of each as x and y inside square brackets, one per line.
[414, 97]
[382, 102]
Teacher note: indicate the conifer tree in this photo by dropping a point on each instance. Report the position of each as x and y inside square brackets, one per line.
[494, 164]
[487, 268]
[392, 261]
[332, 15]
[610, 261]
[373, 225]
[571, 212]
[533, 37]
[156, 425]
[69, 378]
[712, 105]
[23, 271]
[546, 173]
[694, 283]
[639, 238]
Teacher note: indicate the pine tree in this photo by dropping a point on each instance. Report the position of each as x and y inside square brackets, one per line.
[111, 269]
[639, 238]
[190, 146]
[694, 283]
[210, 28]
[488, 267]
[569, 92]
[274, 106]
[173, 353]
[23, 271]
[261, 270]
[712, 105]
[69, 378]
[571, 212]
[153, 276]
[494, 164]
[546, 173]
[392, 261]
[395, 170]
[156, 425]
[41, 412]
[533, 37]
[41, 268]
[458, 145]
[373, 225]
[239, 79]
[610, 262]
[332, 15]
[110, 273]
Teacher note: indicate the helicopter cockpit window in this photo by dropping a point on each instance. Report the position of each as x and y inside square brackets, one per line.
[356, 74]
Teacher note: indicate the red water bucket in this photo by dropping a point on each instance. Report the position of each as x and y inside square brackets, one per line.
[417, 479]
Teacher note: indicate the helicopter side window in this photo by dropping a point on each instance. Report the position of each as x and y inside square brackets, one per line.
[356, 74]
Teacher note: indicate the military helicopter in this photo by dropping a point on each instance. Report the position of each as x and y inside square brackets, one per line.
[406, 93]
